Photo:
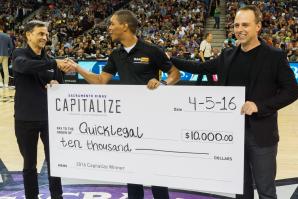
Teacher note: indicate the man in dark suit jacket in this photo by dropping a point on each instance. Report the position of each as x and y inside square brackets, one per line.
[270, 85]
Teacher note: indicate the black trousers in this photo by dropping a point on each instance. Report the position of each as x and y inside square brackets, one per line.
[217, 21]
[136, 191]
[209, 77]
[27, 134]
[259, 169]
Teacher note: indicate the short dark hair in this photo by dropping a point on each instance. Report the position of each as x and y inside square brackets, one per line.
[207, 34]
[255, 10]
[129, 18]
[28, 27]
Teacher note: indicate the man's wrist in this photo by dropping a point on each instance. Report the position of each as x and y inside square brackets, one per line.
[163, 82]
[58, 63]
[76, 67]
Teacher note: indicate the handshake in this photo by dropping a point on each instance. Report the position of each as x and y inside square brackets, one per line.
[67, 65]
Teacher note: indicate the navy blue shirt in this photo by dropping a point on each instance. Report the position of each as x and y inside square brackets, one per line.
[31, 74]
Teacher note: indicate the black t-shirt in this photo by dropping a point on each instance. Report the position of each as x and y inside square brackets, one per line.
[239, 72]
[31, 74]
[141, 64]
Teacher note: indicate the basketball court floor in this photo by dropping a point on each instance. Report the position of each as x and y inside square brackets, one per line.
[11, 186]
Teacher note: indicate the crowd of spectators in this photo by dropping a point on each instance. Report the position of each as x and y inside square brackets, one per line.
[78, 28]
[69, 37]
[68, 20]
[175, 25]
[13, 12]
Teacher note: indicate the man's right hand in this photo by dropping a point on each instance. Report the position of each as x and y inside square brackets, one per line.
[66, 65]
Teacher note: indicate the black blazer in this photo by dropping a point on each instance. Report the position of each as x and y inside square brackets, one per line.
[273, 86]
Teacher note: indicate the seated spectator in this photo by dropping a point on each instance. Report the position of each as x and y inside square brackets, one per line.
[80, 55]
[294, 56]
[230, 39]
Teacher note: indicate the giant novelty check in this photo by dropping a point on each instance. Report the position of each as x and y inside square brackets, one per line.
[183, 137]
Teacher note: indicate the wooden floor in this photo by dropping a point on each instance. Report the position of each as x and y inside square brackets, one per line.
[9, 151]
[287, 155]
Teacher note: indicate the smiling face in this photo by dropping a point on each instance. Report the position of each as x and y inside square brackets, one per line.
[38, 37]
[246, 27]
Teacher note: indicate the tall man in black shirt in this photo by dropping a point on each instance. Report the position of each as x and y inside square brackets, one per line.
[270, 85]
[137, 63]
[33, 70]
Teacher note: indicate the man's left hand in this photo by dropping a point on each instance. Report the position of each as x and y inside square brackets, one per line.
[153, 84]
[52, 82]
[249, 108]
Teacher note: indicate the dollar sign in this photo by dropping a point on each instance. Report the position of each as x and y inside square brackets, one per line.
[187, 135]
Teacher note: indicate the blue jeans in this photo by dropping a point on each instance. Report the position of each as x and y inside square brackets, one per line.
[217, 21]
